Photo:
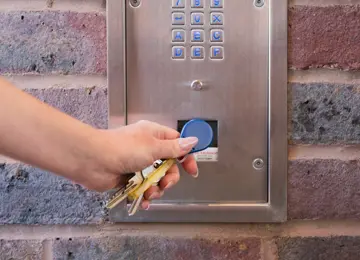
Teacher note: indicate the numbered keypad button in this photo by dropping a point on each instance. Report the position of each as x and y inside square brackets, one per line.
[178, 52]
[178, 36]
[216, 35]
[197, 3]
[216, 19]
[197, 19]
[178, 18]
[216, 3]
[178, 3]
[216, 52]
[197, 52]
[197, 35]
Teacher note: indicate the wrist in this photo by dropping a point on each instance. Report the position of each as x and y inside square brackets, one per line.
[99, 161]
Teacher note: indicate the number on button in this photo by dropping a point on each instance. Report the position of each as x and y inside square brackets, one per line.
[197, 18]
[178, 3]
[197, 35]
[216, 4]
[197, 3]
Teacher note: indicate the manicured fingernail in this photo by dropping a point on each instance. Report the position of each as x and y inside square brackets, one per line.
[147, 208]
[187, 143]
[154, 195]
[196, 175]
[169, 185]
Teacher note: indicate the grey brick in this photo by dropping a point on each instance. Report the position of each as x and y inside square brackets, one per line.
[20, 250]
[324, 113]
[156, 248]
[319, 248]
[324, 189]
[52, 42]
[86, 104]
[32, 196]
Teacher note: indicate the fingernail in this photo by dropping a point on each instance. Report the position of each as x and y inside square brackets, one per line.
[154, 195]
[187, 143]
[196, 175]
[169, 185]
[147, 208]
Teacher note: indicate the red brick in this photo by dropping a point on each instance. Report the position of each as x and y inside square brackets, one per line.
[319, 248]
[324, 189]
[324, 36]
[52, 42]
[86, 104]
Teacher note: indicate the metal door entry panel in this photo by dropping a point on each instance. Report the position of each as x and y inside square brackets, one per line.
[219, 60]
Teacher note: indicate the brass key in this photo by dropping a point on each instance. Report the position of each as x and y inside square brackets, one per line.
[138, 184]
[123, 192]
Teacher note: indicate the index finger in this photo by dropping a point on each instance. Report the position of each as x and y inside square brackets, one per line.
[163, 132]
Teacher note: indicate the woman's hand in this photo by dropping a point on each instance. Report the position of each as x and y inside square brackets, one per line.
[133, 148]
[97, 159]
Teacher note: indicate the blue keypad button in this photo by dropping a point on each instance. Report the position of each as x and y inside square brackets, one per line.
[197, 3]
[197, 52]
[197, 18]
[216, 19]
[178, 36]
[217, 35]
[216, 3]
[178, 3]
[216, 52]
[197, 35]
[178, 52]
[178, 18]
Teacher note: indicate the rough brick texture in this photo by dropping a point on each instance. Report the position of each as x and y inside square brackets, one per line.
[312, 248]
[21, 249]
[31, 196]
[86, 104]
[156, 248]
[324, 36]
[324, 113]
[52, 42]
[324, 189]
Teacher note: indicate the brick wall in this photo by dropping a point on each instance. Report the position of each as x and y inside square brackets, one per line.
[56, 50]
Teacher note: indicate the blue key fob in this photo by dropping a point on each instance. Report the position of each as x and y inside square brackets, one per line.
[200, 129]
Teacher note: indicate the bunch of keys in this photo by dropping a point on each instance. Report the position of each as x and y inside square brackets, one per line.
[135, 188]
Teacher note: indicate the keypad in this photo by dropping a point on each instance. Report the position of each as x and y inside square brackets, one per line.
[197, 25]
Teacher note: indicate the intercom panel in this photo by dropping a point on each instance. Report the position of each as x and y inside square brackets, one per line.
[223, 61]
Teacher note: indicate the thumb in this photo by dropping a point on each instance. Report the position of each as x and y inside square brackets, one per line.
[175, 148]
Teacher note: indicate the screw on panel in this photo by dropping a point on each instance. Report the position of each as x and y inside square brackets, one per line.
[258, 164]
[196, 85]
[259, 3]
[134, 3]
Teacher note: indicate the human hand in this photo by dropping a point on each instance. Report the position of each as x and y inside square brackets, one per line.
[133, 148]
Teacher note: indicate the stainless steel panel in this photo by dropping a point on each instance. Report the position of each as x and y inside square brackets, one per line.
[245, 92]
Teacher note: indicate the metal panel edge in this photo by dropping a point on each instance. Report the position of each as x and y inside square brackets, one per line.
[278, 143]
[276, 209]
[116, 62]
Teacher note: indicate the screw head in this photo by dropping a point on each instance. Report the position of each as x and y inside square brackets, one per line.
[259, 3]
[196, 85]
[134, 3]
[258, 164]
